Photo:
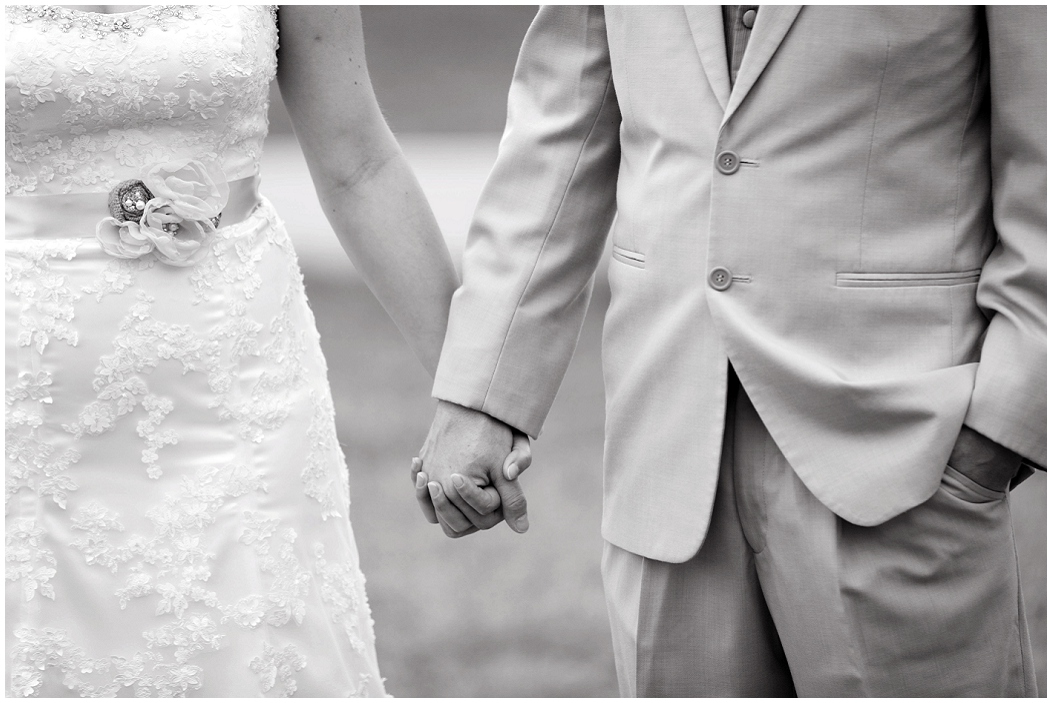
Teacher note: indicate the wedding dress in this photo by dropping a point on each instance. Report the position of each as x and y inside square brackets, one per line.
[176, 498]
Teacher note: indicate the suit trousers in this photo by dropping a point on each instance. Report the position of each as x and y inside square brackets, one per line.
[784, 598]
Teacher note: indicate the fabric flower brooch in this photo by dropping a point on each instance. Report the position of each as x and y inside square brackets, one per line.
[172, 213]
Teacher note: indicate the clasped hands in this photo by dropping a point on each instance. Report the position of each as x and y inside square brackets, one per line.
[466, 477]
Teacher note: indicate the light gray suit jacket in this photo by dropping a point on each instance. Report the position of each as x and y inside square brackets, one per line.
[858, 227]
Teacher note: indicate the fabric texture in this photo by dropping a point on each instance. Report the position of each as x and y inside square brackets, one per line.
[177, 518]
[878, 211]
[785, 598]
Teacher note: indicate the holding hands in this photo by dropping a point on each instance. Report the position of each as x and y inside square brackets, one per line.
[466, 477]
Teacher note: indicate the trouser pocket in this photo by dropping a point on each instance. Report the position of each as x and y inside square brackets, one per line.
[960, 486]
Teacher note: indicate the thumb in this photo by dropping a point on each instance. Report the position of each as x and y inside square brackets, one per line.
[519, 458]
[513, 503]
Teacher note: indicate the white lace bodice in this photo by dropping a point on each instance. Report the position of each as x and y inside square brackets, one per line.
[99, 99]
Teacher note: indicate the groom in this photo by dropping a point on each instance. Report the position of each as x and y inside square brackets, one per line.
[825, 349]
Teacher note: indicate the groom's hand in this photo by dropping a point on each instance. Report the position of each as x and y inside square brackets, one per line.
[983, 460]
[470, 464]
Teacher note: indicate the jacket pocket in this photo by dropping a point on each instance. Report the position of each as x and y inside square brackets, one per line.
[907, 280]
[632, 258]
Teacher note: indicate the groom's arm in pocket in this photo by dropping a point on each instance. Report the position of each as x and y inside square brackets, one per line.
[540, 226]
[1008, 409]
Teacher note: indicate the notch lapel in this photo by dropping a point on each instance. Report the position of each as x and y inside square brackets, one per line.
[772, 24]
[706, 25]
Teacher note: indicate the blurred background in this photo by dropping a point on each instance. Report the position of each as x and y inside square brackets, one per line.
[495, 614]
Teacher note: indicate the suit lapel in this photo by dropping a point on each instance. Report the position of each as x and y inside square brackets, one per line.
[706, 24]
[772, 24]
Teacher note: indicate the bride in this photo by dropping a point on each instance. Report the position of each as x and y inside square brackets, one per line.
[177, 501]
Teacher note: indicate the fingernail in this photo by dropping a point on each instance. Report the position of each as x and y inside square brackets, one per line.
[434, 489]
[457, 480]
[522, 524]
[512, 472]
[421, 480]
[416, 462]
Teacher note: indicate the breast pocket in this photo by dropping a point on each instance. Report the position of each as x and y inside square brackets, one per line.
[628, 257]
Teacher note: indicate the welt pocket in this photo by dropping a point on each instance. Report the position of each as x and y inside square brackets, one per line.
[632, 258]
[906, 280]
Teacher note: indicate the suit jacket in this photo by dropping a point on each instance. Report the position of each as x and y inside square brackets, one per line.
[858, 226]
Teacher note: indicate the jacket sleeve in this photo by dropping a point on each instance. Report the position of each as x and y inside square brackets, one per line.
[1009, 400]
[540, 226]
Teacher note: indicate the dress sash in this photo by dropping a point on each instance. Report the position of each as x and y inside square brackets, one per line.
[75, 215]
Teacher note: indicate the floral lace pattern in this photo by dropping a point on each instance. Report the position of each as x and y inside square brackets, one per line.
[176, 498]
[97, 26]
[277, 667]
[92, 97]
[28, 562]
[172, 562]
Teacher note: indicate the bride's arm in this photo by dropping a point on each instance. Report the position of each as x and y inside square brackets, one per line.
[364, 183]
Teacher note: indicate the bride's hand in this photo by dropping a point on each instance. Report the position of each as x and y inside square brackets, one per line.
[485, 501]
[462, 481]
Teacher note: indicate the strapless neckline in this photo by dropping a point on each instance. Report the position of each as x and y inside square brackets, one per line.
[73, 10]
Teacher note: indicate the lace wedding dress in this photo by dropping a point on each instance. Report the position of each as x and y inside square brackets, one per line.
[176, 502]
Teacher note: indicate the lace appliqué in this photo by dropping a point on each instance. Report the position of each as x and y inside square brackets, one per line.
[91, 108]
[320, 483]
[27, 560]
[37, 464]
[96, 522]
[276, 667]
[46, 301]
[289, 584]
[343, 589]
[149, 429]
[51, 648]
[92, 25]
[141, 346]
[46, 308]
[118, 276]
[172, 567]
[362, 690]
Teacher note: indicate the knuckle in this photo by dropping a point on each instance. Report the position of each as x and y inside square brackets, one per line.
[472, 494]
[483, 503]
[515, 503]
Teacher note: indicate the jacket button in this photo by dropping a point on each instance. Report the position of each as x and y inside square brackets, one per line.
[727, 162]
[720, 278]
[749, 18]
